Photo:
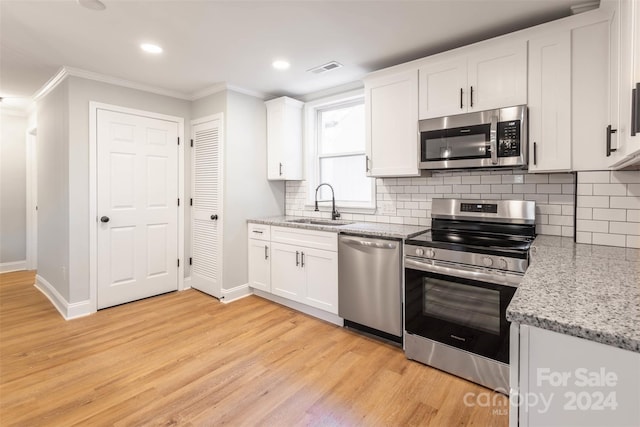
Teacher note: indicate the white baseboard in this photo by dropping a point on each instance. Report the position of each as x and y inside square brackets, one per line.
[7, 267]
[311, 311]
[67, 310]
[234, 294]
[187, 283]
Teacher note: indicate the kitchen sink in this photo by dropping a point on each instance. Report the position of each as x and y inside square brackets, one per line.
[335, 223]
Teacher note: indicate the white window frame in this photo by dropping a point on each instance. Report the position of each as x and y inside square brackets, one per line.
[311, 134]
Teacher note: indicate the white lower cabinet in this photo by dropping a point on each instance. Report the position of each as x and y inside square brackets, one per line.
[302, 266]
[561, 380]
[260, 264]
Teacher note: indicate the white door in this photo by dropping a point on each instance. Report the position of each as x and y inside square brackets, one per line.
[137, 195]
[206, 212]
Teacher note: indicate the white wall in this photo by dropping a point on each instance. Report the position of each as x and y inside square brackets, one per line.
[12, 187]
[53, 189]
[248, 193]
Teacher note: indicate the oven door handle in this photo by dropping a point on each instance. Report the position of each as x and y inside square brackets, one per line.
[462, 272]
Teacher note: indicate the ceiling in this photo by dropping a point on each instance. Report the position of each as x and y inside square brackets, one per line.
[207, 43]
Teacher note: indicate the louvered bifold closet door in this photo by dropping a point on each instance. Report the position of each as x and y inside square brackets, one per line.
[206, 224]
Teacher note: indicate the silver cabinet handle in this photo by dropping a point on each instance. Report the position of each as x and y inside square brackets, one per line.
[266, 252]
[280, 170]
[302, 258]
[257, 231]
[471, 97]
[609, 132]
[507, 279]
[366, 164]
[297, 258]
[358, 242]
[493, 140]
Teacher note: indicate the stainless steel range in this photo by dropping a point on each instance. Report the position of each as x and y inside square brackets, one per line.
[459, 280]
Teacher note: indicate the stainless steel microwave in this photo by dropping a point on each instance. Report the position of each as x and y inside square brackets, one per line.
[484, 139]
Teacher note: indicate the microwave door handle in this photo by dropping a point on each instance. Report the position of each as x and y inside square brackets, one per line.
[493, 137]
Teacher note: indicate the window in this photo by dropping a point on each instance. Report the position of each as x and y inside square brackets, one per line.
[336, 142]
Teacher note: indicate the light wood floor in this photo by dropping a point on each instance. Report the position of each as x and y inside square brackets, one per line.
[186, 359]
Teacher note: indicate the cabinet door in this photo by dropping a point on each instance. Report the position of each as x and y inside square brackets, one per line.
[321, 271]
[497, 77]
[287, 274]
[550, 103]
[590, 93]
[391, 104]
[284, 139]
[443, 88]
[259, 265]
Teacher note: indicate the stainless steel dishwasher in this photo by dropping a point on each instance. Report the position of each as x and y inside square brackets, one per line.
[370, 285]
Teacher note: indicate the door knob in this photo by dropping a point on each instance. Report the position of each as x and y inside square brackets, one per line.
[104, 219]
[214, 217]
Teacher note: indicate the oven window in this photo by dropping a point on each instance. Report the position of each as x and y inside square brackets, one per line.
[466, 305]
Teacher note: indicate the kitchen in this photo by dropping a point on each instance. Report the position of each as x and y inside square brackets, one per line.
[588, 203]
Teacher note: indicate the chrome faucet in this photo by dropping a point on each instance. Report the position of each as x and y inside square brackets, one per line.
[334, 212]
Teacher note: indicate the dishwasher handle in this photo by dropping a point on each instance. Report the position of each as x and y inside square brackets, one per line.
[358, 241]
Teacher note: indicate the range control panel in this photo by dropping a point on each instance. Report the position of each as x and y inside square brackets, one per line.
[479, 207]
[509, 138]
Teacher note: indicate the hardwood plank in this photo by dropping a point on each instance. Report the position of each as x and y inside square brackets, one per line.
[186, 359]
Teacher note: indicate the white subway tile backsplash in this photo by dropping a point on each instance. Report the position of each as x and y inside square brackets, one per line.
[512, 179]
[501, 188]
[609, 214]
[609, 190]
[524, 188]
[549, 209]
[443, 189]
[633, 215]
[490, 179]
[538, 178]
[593, 226]
[561, 199]
[481, 188]
[613, 199]
[549, 188]
[583, 237]
[593, 177]
[560, 220]
[568, 210]
[470, 180]
[554, 230]
[462, 188]
[625, 202]
[593, 202]
[631, 228]
[452, 180]
[608, 239]
[561, 178]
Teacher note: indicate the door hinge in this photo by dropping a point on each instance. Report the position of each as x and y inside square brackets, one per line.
[190, 261]
[178, 201]
[178, 140]
[178, 262]
[192, 142]
[190, 202]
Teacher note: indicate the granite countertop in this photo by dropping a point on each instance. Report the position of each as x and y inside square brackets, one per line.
[587, 291]
[374, 229]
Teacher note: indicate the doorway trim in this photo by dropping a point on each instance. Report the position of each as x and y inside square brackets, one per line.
[93, 191]
[32, 199]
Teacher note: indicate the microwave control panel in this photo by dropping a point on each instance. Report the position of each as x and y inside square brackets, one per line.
[509, 138]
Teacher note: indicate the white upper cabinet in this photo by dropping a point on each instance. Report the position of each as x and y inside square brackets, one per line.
[391, 105]
[591, 111]
[550, 103]
[474, 80]
[284, 139]
[626, 37]
[443, 88]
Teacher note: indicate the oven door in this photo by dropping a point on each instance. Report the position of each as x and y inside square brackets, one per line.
[459, 307]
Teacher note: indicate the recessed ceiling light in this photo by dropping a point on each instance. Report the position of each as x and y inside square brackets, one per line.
[92, 4]
[281, 64]
[151, 48]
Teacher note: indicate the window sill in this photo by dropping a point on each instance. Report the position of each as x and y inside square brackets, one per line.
[343, 209]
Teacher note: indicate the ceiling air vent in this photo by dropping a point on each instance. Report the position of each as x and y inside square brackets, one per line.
[333, 65]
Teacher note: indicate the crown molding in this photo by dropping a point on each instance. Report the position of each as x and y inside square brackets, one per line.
[66, 71]
[220, 87]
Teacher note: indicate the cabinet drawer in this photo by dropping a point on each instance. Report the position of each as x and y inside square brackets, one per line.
[325, 240]
[259, 231]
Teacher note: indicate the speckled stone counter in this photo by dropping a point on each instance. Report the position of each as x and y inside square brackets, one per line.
[586, 291]
[374, 229]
